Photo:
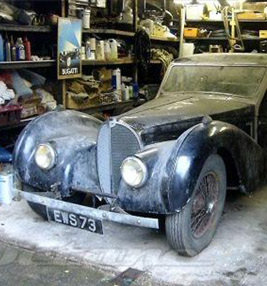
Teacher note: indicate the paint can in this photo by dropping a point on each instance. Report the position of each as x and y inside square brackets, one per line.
[6, 187]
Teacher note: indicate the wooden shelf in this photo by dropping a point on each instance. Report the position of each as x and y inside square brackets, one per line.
[26, 64]
[223, 39]
[108, 32]
[167, 40]
[220, 21]
[125, 34]
[122, 61]
[24, 28]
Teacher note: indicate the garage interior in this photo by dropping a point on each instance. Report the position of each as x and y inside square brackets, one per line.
[133, 142]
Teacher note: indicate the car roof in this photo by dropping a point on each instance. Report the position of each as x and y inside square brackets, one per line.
[225, 59]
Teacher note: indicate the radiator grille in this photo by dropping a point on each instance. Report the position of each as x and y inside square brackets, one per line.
[114, 145]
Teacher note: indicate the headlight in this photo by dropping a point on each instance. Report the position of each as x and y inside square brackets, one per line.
[45, 157]
[134, 172]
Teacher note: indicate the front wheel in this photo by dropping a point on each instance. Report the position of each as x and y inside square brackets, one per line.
[192, 229]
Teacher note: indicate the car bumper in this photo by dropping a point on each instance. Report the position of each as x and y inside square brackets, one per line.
[87, 211]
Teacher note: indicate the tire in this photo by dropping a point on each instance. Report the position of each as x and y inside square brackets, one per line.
[193, 228]
[77, 198]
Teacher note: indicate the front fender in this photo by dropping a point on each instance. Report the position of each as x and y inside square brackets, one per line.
[73, 136]
[193, 149]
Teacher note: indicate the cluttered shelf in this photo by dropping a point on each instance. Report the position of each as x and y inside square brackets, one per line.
[221, 21]
[220, 38]
[27, 64]
[162, 39]
[126, 34]
[119, 61]
[108, 32]
[25, 28]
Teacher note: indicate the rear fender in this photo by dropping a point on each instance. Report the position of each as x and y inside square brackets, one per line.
[192, 150]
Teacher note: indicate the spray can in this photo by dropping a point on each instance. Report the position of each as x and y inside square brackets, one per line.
[7, 50]
[6, 188]
[1, 49]
[13, 49]
[20, 50]
[27, 46]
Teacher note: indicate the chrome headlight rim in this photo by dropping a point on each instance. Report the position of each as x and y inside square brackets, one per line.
[52, 151]
[143, 168]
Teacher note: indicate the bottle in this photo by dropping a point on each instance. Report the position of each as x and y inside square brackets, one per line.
[88, 50]
[7, 50]
[107, 51]
[113, 49]
[116, 79]
[86, 18]
[13, 49]
[100, 51]
[20, 50]
[1, 49]
[135, 90]
[27, 46]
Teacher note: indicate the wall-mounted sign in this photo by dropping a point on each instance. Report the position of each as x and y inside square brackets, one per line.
[69, 64]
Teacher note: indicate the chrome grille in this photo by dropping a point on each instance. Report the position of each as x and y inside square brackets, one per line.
[116, 142]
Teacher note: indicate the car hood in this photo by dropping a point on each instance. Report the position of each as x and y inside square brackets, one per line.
[176, 113]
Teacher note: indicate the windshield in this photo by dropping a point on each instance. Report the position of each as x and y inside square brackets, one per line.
[241, 81]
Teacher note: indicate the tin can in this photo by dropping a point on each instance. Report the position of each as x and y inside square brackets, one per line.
[6, 188]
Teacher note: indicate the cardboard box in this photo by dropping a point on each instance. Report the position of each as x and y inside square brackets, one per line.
[190, 32]
[263, 34]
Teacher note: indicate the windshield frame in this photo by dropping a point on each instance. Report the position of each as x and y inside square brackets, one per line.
[258, 92]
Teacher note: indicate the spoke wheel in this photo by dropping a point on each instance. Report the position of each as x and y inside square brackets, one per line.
[192, 229]
[204, 205]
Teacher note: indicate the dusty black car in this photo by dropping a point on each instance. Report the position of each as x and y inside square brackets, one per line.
[172, 158]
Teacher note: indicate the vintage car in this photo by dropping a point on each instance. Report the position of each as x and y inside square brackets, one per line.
[166, 163]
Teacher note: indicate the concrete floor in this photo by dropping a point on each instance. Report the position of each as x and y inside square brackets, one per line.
[237, 255]
[22, 267]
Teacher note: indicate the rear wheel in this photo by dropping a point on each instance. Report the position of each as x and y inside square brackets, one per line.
[192, 229]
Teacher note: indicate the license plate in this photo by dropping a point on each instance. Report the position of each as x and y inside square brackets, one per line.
[75, 220]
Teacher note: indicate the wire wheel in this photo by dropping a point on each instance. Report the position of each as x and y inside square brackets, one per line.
[205, 205]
